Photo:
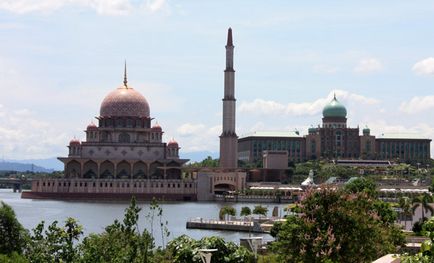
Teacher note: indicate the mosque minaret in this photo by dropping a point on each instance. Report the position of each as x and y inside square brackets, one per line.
[229, 138]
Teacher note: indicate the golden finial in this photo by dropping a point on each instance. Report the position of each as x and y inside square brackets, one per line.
[125, 74]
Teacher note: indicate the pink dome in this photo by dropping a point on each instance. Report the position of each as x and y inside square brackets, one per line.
[172, 143]
[74, 142]
[124, 102]
[156, 127]
[91, 126]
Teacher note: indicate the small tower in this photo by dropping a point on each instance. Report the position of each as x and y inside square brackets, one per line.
[173, 149]
[229, 138]
[91, 133]
[156, 133]
[74, 147]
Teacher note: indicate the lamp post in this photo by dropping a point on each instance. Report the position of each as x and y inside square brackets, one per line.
[254, 243]
[206, 254]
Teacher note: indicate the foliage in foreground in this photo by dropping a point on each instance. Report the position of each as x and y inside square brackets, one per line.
[12, 234]
[426, 253]
[338, 226]
[185, 249]
[120, 242]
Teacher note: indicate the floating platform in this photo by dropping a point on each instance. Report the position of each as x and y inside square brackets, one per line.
[239, 226]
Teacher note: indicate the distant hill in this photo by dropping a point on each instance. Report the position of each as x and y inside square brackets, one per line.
[49, 163]
[23, 167]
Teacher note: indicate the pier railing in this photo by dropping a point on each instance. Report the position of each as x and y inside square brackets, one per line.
[221, 222]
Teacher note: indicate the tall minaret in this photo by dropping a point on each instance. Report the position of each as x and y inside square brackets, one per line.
[229, 139]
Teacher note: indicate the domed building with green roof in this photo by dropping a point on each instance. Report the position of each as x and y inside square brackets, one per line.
[334, 109]
[333, 139]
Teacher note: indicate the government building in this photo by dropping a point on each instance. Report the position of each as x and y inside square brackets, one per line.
[335, 140]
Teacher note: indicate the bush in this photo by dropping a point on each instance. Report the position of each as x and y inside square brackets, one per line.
[12, 234]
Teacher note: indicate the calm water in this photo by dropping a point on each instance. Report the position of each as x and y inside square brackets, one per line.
[95, 216]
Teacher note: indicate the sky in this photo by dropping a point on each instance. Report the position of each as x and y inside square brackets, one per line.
[59, 58]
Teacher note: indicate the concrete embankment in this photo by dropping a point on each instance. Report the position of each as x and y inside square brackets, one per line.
[240, 226]
[253, 199]
[106, 196]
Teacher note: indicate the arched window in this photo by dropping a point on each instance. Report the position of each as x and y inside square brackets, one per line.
[124, 137]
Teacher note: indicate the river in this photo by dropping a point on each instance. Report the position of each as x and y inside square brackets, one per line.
[94, 216]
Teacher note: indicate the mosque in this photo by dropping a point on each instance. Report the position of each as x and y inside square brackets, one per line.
[123, 145]
[123, 155]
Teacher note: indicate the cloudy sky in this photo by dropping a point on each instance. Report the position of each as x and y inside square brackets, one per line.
[58, 59]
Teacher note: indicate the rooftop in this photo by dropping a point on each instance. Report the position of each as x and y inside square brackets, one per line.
[284, 134]
[397, 135]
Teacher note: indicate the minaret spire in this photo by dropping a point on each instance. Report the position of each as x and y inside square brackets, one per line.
[229, 138]
[125, 74]
[229, 42]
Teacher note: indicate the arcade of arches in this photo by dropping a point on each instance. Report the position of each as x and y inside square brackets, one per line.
[123, 169]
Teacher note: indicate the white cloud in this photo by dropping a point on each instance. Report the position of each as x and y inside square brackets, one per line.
[424, 67]
[417, 104]
[368, 65]
[379, 127]
[189, 129]
[325, 69]
[102, 7]
[24, 136]
[267, 107]
[155, 5]
[194, 137]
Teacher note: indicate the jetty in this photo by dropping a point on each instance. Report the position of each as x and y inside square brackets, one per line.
[226, 225]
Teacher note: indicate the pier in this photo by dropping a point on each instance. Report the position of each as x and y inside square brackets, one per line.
[235, 225]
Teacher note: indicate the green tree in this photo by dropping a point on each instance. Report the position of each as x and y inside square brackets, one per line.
[426, 253]
[275, 229]
[14, 257]
[424, 202]
[260, 210]
[245, 211]
[54, 244]
[12, 234]
[333, 227]
[120, 242]
[227, 210]
[405, 205]
[207, 162]
[362, 185]
[185, 249]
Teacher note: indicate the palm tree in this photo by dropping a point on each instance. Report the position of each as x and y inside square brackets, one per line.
[226, 210]
[405, 205]
[245, 211]
[423, 201]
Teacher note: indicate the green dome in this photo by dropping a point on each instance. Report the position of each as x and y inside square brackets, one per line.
[334, 109]
[312, 130]
[366, 130]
